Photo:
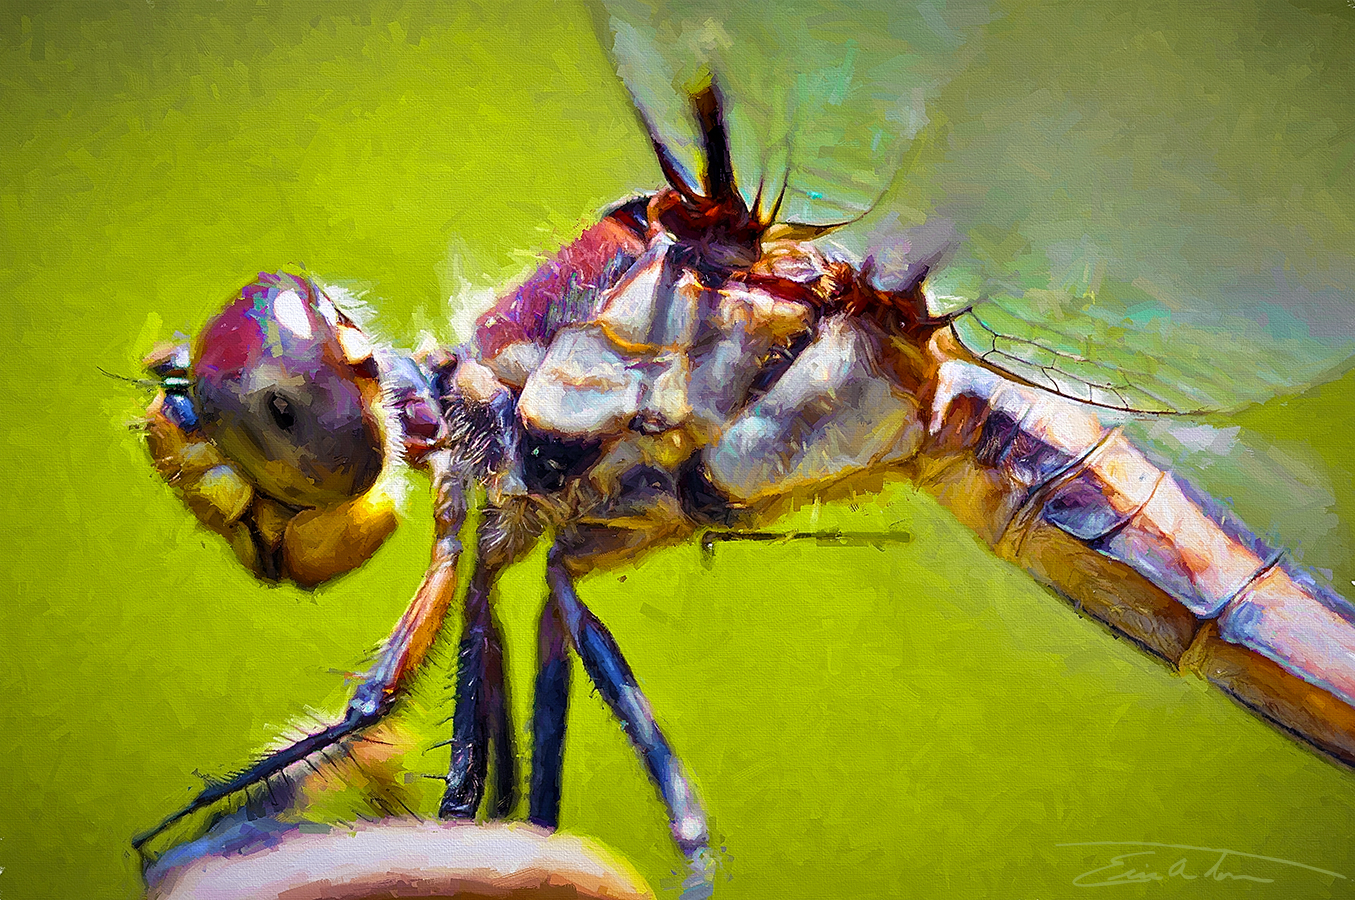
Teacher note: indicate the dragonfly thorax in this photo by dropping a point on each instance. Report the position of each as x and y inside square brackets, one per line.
[722, 236]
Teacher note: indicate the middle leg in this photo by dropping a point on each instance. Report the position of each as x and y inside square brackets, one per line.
[481, 722]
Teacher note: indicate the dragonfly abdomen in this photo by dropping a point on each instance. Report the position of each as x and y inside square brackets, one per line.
[1070, 499]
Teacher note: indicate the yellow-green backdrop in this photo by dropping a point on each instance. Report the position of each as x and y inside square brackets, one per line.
[917, 720]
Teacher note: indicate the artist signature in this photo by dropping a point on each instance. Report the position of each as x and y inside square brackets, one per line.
[1143, 862]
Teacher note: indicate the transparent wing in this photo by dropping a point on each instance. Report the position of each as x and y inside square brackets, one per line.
[821, 100]
[1148, 209]
[1278, 484]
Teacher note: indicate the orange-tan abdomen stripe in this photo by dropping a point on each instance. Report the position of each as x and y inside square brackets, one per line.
[1080, 507]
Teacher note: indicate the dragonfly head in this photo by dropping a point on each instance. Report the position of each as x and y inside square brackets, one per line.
[286, 386]
[272, 429]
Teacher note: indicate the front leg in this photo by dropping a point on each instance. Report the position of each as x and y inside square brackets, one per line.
[401, 655]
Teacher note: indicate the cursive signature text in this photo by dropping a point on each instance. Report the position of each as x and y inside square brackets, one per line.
[1146, 861]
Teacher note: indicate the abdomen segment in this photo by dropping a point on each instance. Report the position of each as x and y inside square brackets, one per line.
[1076, 504]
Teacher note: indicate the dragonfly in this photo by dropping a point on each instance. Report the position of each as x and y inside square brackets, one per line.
[1024, 311]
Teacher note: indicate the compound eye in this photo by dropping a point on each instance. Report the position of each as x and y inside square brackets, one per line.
[286, 394]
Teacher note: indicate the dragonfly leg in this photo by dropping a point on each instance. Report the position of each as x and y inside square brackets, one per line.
[549, 706]
[401, 655]
[612, 675]
[501, 740]
[587, 546]
[480, 723]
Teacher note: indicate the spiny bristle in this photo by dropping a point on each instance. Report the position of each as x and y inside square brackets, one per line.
[388, 410]
[380, 789]
[305, 724]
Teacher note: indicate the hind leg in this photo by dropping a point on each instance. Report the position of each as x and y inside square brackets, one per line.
[568, 622]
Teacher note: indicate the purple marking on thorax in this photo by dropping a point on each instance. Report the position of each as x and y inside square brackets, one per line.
[563, 291]
[996, 434]
[1007, 440]
[1035, 462]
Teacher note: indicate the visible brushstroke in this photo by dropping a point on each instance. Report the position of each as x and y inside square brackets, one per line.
[1158, 193]
[594, 430]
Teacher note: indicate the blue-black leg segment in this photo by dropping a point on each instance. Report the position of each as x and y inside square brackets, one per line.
[501, 743]
[369, 704]
[612, 676]
[480, 721]
[549, 708]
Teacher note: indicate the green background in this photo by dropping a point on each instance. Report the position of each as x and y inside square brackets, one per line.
[914, 721]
